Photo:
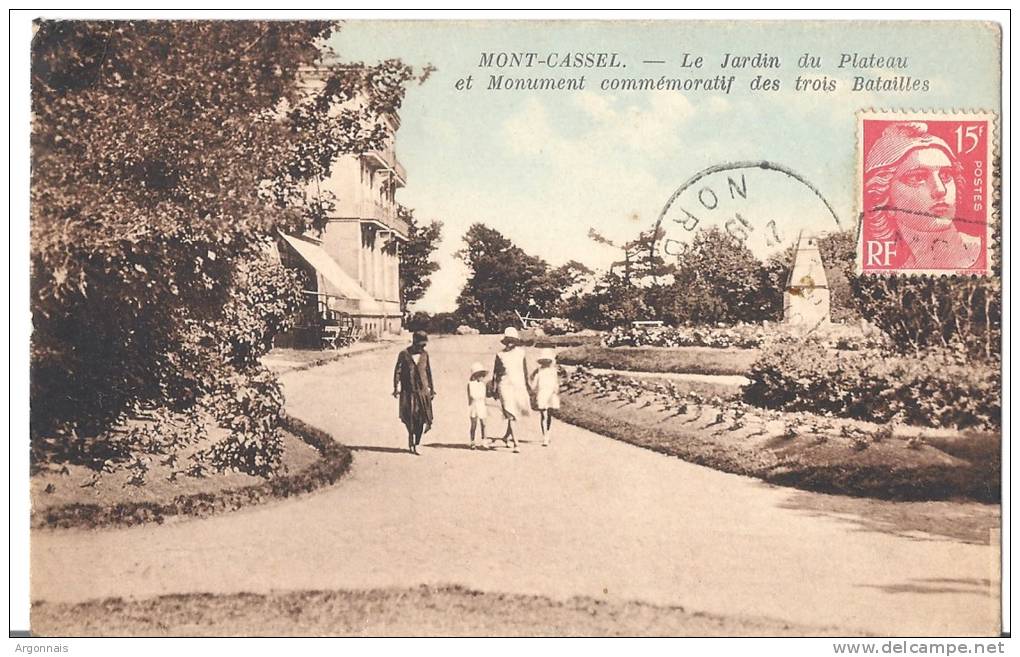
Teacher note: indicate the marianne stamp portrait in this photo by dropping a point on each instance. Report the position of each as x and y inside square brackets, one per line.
[925, 182]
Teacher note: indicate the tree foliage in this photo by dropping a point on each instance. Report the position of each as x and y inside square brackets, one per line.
[716, 279]
[642, 262]
[924, 311]
[416, 264]
[164, 155]
[503, 279]
[612, 302]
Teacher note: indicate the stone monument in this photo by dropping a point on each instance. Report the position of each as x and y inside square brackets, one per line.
[806, 297]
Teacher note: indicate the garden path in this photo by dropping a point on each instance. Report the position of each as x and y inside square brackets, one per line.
[586, 516]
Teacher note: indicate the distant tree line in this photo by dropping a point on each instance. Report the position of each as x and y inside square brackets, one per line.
[715, 279]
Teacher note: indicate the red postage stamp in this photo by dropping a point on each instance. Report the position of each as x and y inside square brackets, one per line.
[925, 192]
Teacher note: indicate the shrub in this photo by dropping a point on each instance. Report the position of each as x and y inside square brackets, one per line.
[264, 303]
[938, 388]
[923, 312]
[559, 326]
[433, 324]
[251, 408]
[611, 304]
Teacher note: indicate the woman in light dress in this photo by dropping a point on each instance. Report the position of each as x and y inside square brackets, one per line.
[510, 373]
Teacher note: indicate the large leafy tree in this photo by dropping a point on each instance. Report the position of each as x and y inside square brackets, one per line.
[416, 264]
[717, 279]
[164, 156]
[503, 279]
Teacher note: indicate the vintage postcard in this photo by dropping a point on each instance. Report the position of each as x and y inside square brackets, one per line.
[516, 328]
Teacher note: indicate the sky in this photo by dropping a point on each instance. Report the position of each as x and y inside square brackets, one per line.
[544, 166]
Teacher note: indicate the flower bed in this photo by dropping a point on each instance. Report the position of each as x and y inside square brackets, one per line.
[747, 336]
[935, 389]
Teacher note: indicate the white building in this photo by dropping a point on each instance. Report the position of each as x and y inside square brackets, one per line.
[353, 265]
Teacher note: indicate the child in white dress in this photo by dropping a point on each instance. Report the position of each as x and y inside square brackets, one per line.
[476, 402]
[546, 384]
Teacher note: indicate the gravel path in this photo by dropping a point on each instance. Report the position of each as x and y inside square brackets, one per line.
[588, 516]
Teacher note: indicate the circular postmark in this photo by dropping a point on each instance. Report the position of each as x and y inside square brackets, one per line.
[767, 207]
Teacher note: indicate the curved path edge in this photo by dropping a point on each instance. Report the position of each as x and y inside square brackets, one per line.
[335, 461]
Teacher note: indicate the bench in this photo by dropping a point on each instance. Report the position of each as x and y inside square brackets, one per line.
[331, 336]
[529, 322]
[647, 323]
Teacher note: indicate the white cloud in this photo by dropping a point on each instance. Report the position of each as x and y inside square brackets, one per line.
[598, 176]
[595, 105]
[651, 129]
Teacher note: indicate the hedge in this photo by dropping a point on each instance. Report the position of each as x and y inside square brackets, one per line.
[938, 388]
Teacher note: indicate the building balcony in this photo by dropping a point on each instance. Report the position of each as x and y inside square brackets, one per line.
[384, 214]
[400, 171]
[387, 161]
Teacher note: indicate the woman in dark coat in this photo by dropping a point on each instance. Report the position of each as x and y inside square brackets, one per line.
[412, 384]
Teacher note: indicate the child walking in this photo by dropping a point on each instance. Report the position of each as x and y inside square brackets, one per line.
[476, 402]
[546, 383]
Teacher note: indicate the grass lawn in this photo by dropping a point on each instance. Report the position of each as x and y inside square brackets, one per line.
[563, 341]
[60, 485]
[422, 611]
[831, 463]
[683, 360]
[707, 386]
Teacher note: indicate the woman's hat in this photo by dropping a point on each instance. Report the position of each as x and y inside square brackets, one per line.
[477, 367]
[547, 355]
[510, 333]
[420, 337]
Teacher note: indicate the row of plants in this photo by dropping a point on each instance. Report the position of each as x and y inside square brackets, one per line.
[935, 388]
[334, 462]
[747, 336]
[455, 322]
[728, 413]
[800, 449]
